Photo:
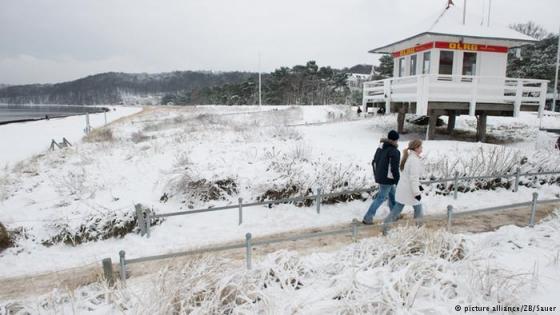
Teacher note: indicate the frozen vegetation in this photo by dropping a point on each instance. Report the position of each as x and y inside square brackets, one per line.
[75, 206]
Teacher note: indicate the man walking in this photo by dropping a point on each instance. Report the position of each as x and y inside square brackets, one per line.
[386, 172]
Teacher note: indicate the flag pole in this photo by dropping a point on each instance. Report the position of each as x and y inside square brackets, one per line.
[489, 8]
[260, 95]
[464, 11]
[555, 95]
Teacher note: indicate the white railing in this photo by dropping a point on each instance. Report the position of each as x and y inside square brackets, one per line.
[421, 89]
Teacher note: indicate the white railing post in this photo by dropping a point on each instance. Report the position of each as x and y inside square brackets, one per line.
[474, 97]
[518, 96]
[365, 94]
[387, 95]
[533, 209]
[542, 98]
[421, 95]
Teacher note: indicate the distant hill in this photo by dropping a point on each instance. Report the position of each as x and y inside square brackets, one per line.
[188, 87]
[115, 88]
[362, 69]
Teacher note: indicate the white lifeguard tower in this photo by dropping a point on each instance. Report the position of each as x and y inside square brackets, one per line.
[455, 68]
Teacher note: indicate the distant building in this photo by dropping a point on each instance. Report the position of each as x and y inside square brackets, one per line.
[356, 80]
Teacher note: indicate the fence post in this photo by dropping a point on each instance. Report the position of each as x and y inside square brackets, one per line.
[240, 211]
[455, 184]
[140, 216]
[108, 271]
[449, 215]
[516, 185]
[122, 263]
[148, 222]
[248, 249]
[533, 209]
[354, 230]
[318, 200]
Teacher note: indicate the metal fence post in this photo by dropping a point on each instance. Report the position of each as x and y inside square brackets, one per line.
[140, 217]
[449, 215]
[148, 222]
[240, 211]
[455, 184]
[248, 248]
[516, 185]
[354, 230]
[122, 263]
[318, 200]
[533, 209]
[108, 271]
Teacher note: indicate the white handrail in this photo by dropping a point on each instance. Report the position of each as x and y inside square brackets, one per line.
[423, 88]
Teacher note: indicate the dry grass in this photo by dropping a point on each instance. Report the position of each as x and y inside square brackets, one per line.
[5, 240]
[100, 135]
[374, 276]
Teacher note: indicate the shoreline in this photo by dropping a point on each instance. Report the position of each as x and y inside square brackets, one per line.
[47, 115]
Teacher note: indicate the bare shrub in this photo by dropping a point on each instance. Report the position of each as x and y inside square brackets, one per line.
[95, 227]
[73, 183]
[182, 160]
[285, 133]
[138, 137]
[489, 161]
[5, 240]
[4, 187]
[301, 177]
[416, 270]
[200, 189]
[300, 151]
[99, 135]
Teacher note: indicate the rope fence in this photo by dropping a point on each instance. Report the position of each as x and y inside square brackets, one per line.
[145, 216]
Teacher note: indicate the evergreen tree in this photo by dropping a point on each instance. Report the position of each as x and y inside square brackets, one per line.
[385, 68]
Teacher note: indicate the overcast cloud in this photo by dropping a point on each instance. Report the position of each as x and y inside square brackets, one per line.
[51, 41]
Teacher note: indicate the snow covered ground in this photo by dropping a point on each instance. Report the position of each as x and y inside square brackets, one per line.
[173, 159]
[22, 140]
[411, 271]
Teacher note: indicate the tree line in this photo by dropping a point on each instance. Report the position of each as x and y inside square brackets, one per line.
[300, 84]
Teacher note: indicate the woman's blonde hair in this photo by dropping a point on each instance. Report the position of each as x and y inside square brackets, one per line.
[412, 145]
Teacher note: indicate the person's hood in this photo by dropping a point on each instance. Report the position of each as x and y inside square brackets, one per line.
[384, 142]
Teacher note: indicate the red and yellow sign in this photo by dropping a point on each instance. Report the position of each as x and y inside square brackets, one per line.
[451, 46]
[413, 50]
[470, 47]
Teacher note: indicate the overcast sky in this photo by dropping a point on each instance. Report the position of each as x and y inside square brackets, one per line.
[44, 41]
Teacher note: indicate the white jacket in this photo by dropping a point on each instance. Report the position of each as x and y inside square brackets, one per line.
[408, 186]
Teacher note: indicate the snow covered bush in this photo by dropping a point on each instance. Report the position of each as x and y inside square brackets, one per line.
[293, 174]
[5, 240]
[488, 161]
[412, 270]
[138, 137]
[100, 135]
[284, 133]
[95, 227]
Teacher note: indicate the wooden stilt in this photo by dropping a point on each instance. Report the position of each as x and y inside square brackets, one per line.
[400, 119]
[432, 125]
[451, 121]
[481, 128]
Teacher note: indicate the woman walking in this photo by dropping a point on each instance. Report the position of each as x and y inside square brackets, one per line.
[408, 190]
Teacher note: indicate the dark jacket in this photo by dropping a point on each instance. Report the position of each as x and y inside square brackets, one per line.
[387, 158]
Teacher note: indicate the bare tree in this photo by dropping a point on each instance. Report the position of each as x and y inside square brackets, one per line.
[530, 29]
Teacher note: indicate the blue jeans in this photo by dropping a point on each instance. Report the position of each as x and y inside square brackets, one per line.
[384, 192]
[396, 212]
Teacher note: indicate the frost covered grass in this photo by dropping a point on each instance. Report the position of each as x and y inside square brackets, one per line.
[178, 158]
[412, 270]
